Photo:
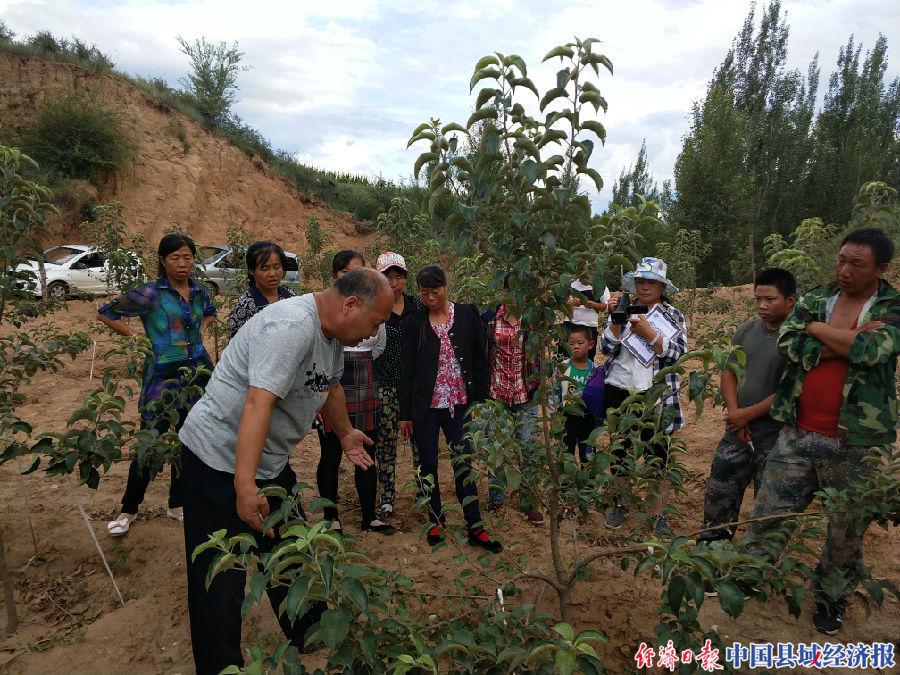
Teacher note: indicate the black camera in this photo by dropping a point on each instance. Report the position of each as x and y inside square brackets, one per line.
[625, 309]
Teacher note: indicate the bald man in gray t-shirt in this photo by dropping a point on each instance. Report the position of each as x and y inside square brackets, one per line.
[282, 367]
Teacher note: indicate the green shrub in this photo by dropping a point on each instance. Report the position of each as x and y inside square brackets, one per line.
[77, 136]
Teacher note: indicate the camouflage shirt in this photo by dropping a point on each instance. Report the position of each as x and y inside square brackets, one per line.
[869, 410]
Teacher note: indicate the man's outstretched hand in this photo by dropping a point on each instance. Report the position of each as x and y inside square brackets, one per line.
[353, 445]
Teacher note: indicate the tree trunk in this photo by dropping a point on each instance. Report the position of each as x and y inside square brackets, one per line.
[12, 619]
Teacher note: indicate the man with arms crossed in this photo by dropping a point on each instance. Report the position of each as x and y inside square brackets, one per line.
[278, 372]
[837, 399]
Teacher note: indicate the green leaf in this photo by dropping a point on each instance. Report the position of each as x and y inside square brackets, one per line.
[565, 662]
[326, 563]
[436, 197]
[562, 78]
[488, 113]
[873, 586]
[462, 163]
[550, 96]
[422, 135]
[731, 598]
[490, 141]
[597, 128]
[561, 51]
[486, 95]
[566, 631]
[296, 595]
[530, 170]
[485, 61]
[593, 174]
[423, 159]
[518, 62]
[354, 590]
[527, 83]
[257, 586]
[223, 562]
[528, 146]
[552, 136]
[594, 98]
[453, 126]
[481, 74]
[318, 504]
[675, 593]
[468, 212]
[333, 626]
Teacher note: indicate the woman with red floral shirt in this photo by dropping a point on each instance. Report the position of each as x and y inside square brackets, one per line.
[444, 371]
[514, 379]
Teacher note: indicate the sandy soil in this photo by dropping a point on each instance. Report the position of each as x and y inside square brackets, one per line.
[71, 621]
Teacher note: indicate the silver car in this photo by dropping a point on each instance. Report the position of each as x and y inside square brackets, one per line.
[71, 268]
[222, 273]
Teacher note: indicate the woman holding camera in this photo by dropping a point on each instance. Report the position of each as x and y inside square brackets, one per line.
[626, 373]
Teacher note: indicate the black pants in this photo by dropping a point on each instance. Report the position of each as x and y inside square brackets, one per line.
[327, 476]
[613, 397]
[426, 433]
[139, 480]
[577, 430]
[215, 614]
[563, 347]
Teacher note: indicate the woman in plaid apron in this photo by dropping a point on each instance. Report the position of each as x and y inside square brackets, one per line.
[363, 406]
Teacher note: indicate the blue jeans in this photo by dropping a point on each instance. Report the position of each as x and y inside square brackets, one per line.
[525, 420]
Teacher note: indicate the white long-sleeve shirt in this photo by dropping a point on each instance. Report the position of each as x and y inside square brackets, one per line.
[375, 344]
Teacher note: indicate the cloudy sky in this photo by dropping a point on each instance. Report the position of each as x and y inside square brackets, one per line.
[343, 83]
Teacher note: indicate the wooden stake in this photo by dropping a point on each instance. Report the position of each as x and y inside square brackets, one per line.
[90, 528]
[12, 619]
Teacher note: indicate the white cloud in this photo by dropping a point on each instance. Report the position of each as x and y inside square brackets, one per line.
[343, 83]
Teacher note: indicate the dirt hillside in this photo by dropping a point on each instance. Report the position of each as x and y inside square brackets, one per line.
[203, 189]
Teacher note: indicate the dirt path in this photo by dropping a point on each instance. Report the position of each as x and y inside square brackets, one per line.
[71, 621]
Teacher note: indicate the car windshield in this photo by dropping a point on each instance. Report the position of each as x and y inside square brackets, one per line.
[60, 255]
[208, 254]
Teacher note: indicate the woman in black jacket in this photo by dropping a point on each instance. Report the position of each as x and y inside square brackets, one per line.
[445, 369]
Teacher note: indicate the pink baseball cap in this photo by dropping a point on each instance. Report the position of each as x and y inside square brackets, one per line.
[390, 259]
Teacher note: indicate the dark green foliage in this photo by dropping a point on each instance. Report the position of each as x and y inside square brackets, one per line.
[757, 161]
[855, 135]
[76, 135]
[44, 44]
[635, 180]
[212, 82]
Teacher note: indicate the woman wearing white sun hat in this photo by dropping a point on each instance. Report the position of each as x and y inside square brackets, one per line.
[625, 373]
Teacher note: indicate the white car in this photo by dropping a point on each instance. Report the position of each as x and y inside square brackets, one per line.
[221, 271]
[70, 268]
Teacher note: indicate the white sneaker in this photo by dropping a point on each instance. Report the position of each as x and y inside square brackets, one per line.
[120, 526]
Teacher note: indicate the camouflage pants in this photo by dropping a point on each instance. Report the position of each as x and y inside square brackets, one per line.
[734, 466]
[800, 464]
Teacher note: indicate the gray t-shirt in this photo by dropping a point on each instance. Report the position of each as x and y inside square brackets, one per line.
[764, 366]
[281, 350]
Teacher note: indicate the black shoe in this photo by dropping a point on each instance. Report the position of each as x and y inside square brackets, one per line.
[828, 620]
[435, 535]
[480, 537]
[615, 517]
[379, 527]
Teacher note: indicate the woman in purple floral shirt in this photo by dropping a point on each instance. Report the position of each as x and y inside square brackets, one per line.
[444, 370]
